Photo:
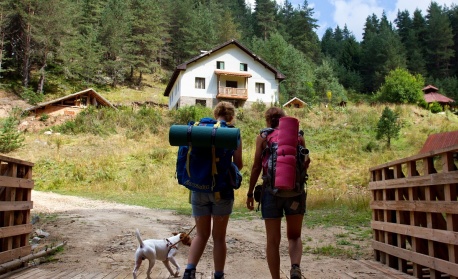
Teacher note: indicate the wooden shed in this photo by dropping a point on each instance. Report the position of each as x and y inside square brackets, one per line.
[71, 104]
[295, 103]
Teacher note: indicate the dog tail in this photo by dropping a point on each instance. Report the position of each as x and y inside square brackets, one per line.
[140, 241]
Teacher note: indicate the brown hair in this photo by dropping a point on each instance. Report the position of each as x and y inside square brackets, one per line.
[273, 116]
[225, 110]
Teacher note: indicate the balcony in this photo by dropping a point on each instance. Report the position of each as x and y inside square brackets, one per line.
[232, 93]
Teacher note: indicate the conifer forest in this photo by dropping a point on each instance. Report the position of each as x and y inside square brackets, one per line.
[46, 44]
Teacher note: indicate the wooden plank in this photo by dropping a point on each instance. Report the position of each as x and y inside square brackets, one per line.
[12, 254]
[417, 157]
[448, 207]
[424, 260]
[31, 273]
[15, 230]
[15, 182]
[15, 205]
[416, 181]
[16, 161]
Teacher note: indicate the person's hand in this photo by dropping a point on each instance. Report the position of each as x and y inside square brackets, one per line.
[250, 203]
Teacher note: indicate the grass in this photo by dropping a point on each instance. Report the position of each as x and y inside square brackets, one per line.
[124, 156]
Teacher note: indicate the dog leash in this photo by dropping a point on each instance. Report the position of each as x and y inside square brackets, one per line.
[171, 245]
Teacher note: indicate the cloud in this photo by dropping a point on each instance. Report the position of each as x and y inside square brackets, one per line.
[354, 13]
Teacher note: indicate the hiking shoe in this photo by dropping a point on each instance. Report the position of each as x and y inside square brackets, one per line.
[189, 274]
[219, 277]
[295, 272]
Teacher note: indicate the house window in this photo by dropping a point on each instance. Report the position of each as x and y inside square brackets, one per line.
[200, 83]
[201, 102]
[259, 88]
[243, 67]
[220, 65]
[231, 83]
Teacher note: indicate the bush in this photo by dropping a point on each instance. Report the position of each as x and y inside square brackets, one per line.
[31, 97]
[435, 107]
[44, 117]
[401, 87]
[10, 138]
[185, 114]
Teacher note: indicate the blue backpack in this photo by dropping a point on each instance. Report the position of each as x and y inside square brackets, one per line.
[207, 169]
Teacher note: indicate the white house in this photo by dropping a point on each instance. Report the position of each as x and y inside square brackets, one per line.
[229, 72]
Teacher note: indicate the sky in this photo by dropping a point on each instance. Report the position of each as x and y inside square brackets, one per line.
[353, 13]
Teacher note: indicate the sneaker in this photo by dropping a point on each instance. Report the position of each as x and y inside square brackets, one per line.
[219, 277]
[295, 272]
[189, 274]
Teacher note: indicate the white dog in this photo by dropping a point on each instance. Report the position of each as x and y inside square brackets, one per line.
[159, 249]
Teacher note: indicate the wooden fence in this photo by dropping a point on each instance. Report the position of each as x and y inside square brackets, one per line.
[16, 185]
[415, 214]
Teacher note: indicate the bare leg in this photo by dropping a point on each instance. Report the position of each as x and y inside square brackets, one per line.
[273, 237]
[293, 232]
[203, 229]
[219, 241]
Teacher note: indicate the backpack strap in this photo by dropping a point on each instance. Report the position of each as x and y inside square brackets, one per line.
[188, 136]
[214, 169]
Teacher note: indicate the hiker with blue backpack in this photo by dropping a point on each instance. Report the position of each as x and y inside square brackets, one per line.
[212, 174]
[282, 158]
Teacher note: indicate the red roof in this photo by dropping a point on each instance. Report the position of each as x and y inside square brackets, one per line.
[436, 97]
[439, 141]
[430, 87]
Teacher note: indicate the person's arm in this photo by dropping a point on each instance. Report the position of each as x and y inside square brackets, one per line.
[255, 172]
[237, 157]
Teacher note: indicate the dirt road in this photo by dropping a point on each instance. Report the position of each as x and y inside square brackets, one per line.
[100, 235]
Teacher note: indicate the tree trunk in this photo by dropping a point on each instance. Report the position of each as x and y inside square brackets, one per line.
[26, 58]
[2, 40]
[41, 83]
[139, 82]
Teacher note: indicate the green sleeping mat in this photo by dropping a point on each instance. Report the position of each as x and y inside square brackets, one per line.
[201, 136]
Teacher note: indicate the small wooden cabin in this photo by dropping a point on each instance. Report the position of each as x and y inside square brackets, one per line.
[71, 104]
[295, 103]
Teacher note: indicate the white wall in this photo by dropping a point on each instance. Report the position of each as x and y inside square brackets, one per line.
[205, 68]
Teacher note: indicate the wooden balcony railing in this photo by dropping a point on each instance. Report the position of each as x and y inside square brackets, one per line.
[232, 93]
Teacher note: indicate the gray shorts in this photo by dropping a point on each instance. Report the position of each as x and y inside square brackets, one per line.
[274, 206]
[204, 204]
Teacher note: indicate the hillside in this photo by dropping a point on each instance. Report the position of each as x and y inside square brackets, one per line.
[118, 155]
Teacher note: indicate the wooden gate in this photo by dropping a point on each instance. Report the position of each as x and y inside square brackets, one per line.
[415, 214]
[15, 203]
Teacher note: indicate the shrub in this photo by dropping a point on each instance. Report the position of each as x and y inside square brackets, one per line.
[435, 107]
[401, 87]
[185, 114]
[31, 97]
[44, 117]
[10, 138]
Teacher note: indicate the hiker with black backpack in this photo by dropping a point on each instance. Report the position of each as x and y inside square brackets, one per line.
[281, 164]
[212, 205]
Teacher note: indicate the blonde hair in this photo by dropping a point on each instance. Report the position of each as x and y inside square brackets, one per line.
[225, 110]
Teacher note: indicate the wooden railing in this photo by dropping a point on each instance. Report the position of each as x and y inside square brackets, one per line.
[415, 214]
[232, 93]
[16, 186]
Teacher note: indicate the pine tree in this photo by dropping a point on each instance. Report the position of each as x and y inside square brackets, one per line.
[301, 30]
[453, 15]
[52, 23]
[388, 126]
[265, 18]
[439, 41]
[148, 36]
[10, 138]
[115, 37]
